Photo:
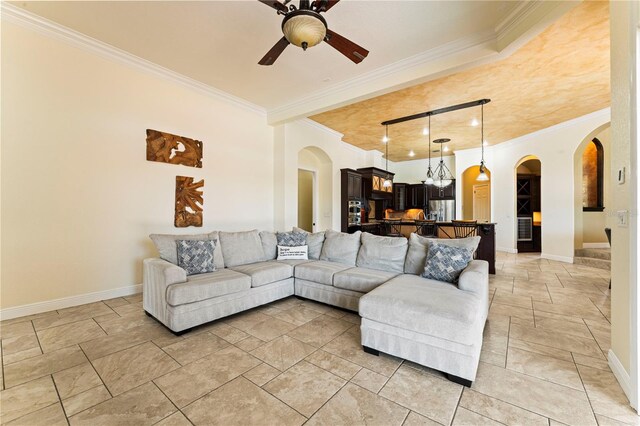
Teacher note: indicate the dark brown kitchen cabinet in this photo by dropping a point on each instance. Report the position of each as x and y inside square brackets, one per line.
[400, 196]
[373, 180]
[416, 196]
[446, 193]
[354, 184]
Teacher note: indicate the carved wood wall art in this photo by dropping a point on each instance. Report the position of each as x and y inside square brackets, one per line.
[188, 202]
[167, 148]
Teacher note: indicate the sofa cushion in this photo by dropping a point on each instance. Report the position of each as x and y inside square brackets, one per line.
[168, 250]
[291, 239]
[269, 244]
[314, 241]
[418, 248]
[341, 247]
[241, 248]
[206, 286]
[361, 279]
[382, 253]
[196, 256]
[262, 273]
[425, 306]
[445, 263]
[319, 272]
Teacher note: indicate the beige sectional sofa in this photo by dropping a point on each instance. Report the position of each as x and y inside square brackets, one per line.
[433, 323]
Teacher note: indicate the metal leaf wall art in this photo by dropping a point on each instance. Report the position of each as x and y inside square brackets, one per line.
[167, 148]
[188, 202]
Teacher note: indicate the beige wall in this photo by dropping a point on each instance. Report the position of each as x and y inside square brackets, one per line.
[78, 196]
[305, 200]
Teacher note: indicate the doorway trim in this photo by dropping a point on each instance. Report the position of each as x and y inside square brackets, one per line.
[488, 186]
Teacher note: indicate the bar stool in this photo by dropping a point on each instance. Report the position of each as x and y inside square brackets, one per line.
[392, 227]
[465, 228]
[426, 228]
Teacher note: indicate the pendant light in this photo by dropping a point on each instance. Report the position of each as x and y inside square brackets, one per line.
[387, 182]
[443, 176]
[482, 177]
[429, 180]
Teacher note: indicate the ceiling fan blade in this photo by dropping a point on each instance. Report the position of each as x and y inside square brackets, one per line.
[324, 5]
[275, 4]
[346, 47]
[275, 51]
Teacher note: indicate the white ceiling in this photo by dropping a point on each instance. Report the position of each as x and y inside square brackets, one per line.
[219, 43]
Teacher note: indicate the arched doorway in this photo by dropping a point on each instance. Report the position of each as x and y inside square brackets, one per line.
[528, 208]
[315, 183]
[476, 195]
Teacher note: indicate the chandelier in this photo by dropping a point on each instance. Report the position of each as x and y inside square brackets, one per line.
[442, 176]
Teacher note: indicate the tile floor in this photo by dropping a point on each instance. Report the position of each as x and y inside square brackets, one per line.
[294, 362]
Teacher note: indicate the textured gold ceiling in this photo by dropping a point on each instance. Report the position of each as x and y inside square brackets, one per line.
[561, 74]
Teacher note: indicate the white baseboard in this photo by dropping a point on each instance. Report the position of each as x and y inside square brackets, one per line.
[66, 302]
[565, 259]
[507, 250]
[595, 245]
[621, 374]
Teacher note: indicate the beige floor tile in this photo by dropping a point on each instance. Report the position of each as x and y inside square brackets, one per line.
[8, 331]
[354, 405]
[511, 311]
[541, 295]
[75, 380]
[270, 329]
[504, 298]
[570, 310]
[536, 395]
[225, 331]
[334, 364]
[588, 361]
[52, 415]
[566, 342]
[321, 330]
[370, 380]
[13, 345]
[176, 419]
[194, 380]
[544, 367]
[348, 346]
[54, 338]
[27, 318]
[499, 411]
[298, 315]
[245, 320]
[130, 309]
[261, 374]
[601, 385]
[305, 387]
[466, 417]
[144, 405]
[240, 402]
[70, 317]
[415, 419]
[195, 347]
[118, 301]
[121, 324]
[250, 343]
[19, 356]
[495, 358]
[563, 327]
[42, 365]
[425, 394]
[27, 398]
[134, 298]
[127, 369]
[616, 411]
[541, 349]
[87, 399]
[606, 421]
[283, 352]
[94, 309]
[542, 314]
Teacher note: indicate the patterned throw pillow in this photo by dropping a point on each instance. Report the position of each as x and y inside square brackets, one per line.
[196, 256]
[446, 263]
[291, 239]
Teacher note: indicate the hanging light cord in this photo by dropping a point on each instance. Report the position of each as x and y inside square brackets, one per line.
[482, 133]
[429, 131]
[386, 149]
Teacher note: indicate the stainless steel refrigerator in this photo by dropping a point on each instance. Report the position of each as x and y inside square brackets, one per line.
[442, 210]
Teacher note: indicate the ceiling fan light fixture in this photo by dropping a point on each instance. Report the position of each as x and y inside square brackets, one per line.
[304, 28]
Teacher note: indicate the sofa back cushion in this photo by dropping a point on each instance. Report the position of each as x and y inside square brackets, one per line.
[269, 244]
[314, 241]
[168, 249]
[418, 249]
[241, 248]
[341, 247]
[196, 256]
[382, 253]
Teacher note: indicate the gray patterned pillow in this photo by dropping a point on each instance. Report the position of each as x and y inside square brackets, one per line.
[196, 256]
[291, 239]
[446, 263]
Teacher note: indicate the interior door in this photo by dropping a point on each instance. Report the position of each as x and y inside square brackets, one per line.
[481, 203]
[305, 200]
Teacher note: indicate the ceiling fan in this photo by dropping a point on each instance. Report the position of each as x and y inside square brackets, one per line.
[305, 27]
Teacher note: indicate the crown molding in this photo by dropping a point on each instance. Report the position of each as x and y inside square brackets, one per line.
[26, 19]
[321, 127]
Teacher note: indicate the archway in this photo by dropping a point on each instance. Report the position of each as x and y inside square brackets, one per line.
[528, 204]
[590, 202]
[316, 166]
[476, 195]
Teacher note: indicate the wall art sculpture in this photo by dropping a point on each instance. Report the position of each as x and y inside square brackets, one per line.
[188, 202]
[167, 148]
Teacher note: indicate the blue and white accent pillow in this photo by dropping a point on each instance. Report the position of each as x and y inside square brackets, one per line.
[291, 239]
[446, 263]
[196, 256]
